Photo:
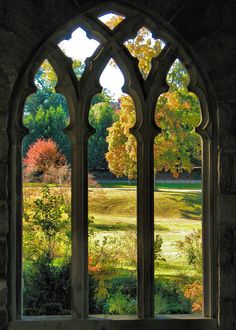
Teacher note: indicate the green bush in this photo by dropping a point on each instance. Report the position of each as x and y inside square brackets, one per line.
[126, 285]
[47, 291]
[47, 288]
[97, 305]
[119, 290]
[47, 225]
[169, 298]
[192, 248]
[121, 304]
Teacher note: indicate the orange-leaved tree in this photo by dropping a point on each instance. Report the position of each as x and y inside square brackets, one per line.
[42, 157]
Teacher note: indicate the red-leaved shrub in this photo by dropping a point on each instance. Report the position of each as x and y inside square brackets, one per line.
[42, 158]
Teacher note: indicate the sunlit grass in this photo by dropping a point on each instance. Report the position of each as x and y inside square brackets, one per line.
[114, 213]
[158, 185]
[186, 205]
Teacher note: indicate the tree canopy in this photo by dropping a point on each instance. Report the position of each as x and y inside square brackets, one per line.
[101, 116]
[46, 115]
[177, 147]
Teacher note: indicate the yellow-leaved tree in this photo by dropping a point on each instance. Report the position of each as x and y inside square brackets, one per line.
[177, 147]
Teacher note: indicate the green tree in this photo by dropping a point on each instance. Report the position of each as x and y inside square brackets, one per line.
[47, 226]
[101, 116]
[45, 96]
[46, 115]
[48, 124]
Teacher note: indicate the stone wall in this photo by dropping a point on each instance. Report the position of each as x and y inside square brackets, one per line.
[209, 31]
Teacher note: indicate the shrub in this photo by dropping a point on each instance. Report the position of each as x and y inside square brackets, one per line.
[127, 285]
[121, 304]
[59, 175]
[169, 298]
[43, 158]
[158, 256]
[120, 298]
[192, 248]
[119, 289]
[47, 225]
[46, 288]
[92, 182]
[128, 249]
[103, 260]
[194, 292]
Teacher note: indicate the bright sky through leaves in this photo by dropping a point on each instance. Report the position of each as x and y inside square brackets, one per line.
[112, 18]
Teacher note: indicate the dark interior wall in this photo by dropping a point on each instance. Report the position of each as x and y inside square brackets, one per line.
[209, 31]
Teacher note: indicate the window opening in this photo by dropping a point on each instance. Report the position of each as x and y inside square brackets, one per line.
[46, 200]
[112, 258]
[78, 48]
[144, 47]
[178, 199]
[111, 20]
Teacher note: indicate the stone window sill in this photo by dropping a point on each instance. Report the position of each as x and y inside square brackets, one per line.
[163, 322]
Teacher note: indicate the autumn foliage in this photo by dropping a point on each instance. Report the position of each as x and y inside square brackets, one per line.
[122, 155]
[43, 158]
[193, 292]
[177, 148]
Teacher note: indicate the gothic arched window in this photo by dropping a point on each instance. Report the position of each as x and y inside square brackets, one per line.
[146, 82]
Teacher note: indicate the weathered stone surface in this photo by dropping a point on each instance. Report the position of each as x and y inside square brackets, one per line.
[227, 249]
[227, 125]
[3, 293]
[227, 206]
[3, 259]
[227, 167]
[227, 317]
[207, 16]
[4, 226]
[227, 285]
[3, 180]
[3, 145]
[3, 318]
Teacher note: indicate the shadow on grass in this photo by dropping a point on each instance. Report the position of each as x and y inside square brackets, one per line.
[161, 228]
[171, 267]
[121, 226]
[113, 227]
[192, 205]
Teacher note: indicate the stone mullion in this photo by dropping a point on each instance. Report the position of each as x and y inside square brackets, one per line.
[145, 227]
[144, 130]
[16, 300]
[154, 86]
[207, 232]
[79, 216]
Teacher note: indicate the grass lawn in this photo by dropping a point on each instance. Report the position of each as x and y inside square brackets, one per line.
[159, 185]
[176, 215]
[113, 215]
[114, 211]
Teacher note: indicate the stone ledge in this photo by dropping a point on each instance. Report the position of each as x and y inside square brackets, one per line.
[170, 323]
